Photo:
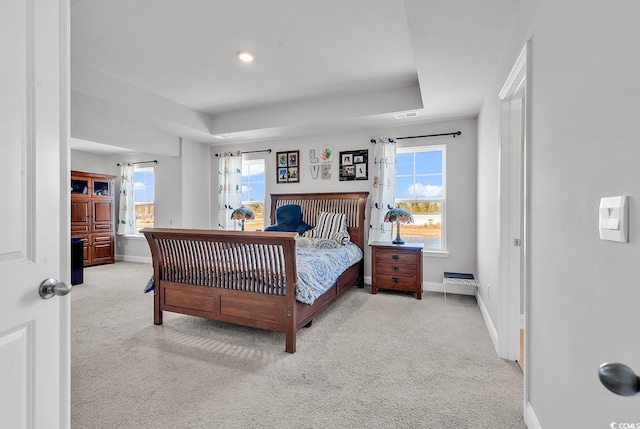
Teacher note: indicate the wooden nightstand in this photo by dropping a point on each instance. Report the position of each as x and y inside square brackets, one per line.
[397, 267]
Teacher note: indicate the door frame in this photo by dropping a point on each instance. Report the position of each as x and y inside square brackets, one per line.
[64, 71]
[519, 79]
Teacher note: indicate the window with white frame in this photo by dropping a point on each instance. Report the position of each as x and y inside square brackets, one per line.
[420, 189]
[253, 192]
[143, 196]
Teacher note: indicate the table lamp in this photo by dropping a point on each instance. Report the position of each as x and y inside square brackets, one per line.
[242, 213]
[398, 215]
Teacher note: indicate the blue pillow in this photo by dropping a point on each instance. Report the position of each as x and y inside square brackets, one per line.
[289, 219]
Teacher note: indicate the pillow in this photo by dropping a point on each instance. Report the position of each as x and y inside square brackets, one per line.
[316, 243]
[289, 219]
[324, 243]
[303, 242]
[331, 226]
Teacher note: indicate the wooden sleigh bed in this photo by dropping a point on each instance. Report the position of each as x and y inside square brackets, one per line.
[249, 278]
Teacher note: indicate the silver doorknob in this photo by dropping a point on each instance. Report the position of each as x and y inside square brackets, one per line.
[51, 287]
[619, 378]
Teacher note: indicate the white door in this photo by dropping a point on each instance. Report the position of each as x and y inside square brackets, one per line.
[34, 332]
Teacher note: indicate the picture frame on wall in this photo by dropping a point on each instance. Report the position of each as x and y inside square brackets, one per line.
[354, 165]
[288, 166]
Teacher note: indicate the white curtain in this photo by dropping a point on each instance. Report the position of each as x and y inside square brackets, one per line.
[126, 213]
[229, 189]
[383, 188]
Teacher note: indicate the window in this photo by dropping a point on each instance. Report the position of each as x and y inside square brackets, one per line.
[420, 189]
[143, 196]
[253, 192]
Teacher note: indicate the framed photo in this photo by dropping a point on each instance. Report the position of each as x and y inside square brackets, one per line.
[326, 154]
[282, 159]
[283, 174]
[354, 165]
[293, 159]
[288, 166]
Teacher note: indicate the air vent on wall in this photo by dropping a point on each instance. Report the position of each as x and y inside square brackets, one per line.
[405, 115]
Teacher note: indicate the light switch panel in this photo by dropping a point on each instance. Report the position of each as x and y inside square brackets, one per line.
[613, 220]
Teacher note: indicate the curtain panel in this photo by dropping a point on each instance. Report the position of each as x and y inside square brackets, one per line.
[383, 188]
[127, 209]
[229, 189]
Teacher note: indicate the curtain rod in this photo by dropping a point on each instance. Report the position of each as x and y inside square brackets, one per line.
[457, 133]
[139, 162]
[251, 151]
[454, 134]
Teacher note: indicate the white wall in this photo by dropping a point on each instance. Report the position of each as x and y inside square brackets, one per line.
[584, 146]
[93, 163]
[461, 188]
[196, 185]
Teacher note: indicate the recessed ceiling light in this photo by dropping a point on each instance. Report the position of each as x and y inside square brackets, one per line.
[405, 115]
[222, 136]
[245, 56]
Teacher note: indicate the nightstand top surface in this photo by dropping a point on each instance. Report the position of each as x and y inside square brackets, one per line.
[399, 246]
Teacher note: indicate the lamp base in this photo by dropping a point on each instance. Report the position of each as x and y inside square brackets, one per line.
[398, 240]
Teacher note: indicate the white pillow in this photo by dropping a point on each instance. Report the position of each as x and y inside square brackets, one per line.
[332, 226]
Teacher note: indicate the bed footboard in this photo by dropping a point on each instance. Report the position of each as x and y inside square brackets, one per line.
[246, 278]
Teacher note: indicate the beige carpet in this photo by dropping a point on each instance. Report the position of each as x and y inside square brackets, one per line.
[370, 361]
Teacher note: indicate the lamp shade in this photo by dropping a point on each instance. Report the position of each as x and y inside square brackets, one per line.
[242, 213]
[398, 215]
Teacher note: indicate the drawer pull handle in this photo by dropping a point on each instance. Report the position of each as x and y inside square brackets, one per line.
[395, 256]
[395, 279]
[394, 268]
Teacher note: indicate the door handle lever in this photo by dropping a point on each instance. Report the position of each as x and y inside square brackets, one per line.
[619, 378]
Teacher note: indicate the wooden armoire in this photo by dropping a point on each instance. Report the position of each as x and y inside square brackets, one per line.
[92, 216]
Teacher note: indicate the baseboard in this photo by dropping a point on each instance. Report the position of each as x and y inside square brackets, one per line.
[493, 333]
[129, 258]
[530, 418]
[438, 287]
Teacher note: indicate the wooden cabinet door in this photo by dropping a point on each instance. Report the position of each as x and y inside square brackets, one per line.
[102, 216]
[80, 215]
[102, 249]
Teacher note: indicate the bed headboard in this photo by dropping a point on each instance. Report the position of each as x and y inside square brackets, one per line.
[350, 203]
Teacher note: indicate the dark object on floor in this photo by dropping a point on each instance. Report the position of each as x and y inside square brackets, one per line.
[77, 257]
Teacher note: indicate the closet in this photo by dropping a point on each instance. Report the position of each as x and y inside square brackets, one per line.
[92, 216]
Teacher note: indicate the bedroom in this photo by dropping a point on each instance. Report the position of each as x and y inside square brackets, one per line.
[584, 88]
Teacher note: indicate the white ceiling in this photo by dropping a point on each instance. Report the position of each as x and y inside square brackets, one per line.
[321, 66]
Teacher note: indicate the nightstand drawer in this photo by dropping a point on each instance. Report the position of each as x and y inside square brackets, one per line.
[407, 283]
[396, 269]
[384, 257]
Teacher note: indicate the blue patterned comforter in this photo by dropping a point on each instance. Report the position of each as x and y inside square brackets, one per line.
[319, 267]
[319, 263]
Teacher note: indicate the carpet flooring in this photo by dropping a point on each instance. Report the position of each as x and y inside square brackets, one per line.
[370, 361]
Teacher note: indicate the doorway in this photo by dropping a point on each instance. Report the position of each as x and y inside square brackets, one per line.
[513, 213]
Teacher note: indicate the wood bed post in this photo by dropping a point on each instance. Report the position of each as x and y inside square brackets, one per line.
[291, 321]
[156, 258]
